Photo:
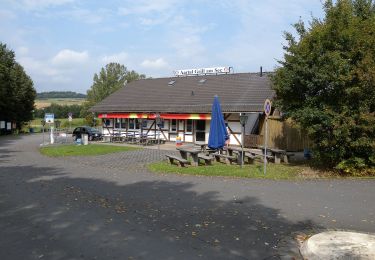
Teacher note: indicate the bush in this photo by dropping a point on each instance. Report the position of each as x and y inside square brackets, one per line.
[326, 83]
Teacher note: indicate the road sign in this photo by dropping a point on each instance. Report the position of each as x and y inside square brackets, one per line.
[267, 107]
[70, 117]
[49, 118]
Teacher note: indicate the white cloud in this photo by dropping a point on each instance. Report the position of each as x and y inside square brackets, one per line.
[87, 16]
[37, 67]
[41, 4]
[155, 64]
[147, 6]
[46, 74]
[68, 57]
[121, 57]
[150, 21]
[22, 51]
[186, 38]
[7, 15]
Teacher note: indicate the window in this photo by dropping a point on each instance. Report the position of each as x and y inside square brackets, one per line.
[162, 124]
[134, 124]
[189, 126]
[174, 125]
[124, 123]
[131, 123]
[144, 123]
[137, 124]
[117, 123]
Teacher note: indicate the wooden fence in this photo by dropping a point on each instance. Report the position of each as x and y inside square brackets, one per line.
[281, 134]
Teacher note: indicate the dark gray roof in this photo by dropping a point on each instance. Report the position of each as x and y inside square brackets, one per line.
[240, 92]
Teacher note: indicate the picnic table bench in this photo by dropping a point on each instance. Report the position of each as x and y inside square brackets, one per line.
[185, 151]
[207, 159]
[228, 158]
[278, 154]
[250, 154]
[182, 162]
[201, 144]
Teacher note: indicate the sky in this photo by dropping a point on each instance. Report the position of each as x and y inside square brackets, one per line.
[63, 43]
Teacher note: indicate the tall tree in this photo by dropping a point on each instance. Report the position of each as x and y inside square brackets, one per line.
[17, 93]
[326, 83]
[110, 79]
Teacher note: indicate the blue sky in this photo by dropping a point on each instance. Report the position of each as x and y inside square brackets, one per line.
[62, 43]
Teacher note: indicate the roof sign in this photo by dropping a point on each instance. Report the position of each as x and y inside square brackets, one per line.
[202, 71]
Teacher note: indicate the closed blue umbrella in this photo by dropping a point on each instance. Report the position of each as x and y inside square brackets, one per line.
[218, 131]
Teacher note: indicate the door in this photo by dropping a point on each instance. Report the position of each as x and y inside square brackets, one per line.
[200, 130]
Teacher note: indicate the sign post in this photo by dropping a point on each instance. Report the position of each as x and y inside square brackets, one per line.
[267, 111]
[70, 119]
[49, 118]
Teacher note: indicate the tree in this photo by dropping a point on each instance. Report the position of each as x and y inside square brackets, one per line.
[60, 111]
[17, 93]
[110, 79]
[326, 83]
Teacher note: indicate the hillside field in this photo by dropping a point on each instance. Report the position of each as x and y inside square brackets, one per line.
[40, 103]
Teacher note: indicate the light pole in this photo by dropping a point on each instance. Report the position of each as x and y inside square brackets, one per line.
[243, 121]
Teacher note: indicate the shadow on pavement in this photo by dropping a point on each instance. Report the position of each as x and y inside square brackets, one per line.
[47, 214]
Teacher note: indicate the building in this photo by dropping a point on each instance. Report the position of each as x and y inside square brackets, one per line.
[185, 105]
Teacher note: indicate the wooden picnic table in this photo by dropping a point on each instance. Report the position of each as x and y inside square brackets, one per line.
[202, 145]
[277, 154]
[185, 151]
[252, 153]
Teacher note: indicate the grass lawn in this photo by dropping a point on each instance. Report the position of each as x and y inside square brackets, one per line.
[83, 150]
[274, 171]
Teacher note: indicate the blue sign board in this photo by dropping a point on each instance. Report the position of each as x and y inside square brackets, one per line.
[49, 118]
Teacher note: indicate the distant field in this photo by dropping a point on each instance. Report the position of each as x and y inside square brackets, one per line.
[40, 103]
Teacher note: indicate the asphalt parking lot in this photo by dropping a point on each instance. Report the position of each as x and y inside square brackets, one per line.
[111, 207]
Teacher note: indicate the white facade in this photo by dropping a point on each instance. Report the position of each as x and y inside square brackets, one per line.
[188, 130]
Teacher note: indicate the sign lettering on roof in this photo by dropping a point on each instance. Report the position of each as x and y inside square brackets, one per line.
[201, 71]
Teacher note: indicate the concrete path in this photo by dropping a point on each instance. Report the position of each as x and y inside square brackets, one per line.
[111, 207]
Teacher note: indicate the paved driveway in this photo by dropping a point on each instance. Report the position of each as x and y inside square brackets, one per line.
[111, 207]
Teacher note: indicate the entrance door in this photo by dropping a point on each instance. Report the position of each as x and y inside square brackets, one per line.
[200, 130]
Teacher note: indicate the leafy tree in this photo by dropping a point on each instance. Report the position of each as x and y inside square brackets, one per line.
[110, 79]
[17, 93]
[326, 82]
[60, 111]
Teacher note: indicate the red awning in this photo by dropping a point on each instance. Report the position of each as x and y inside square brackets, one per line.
[153, 116]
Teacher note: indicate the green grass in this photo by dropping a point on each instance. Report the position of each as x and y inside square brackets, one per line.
[83, 150]
[274, 171]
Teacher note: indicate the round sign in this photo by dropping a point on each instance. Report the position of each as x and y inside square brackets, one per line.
[267, 107]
